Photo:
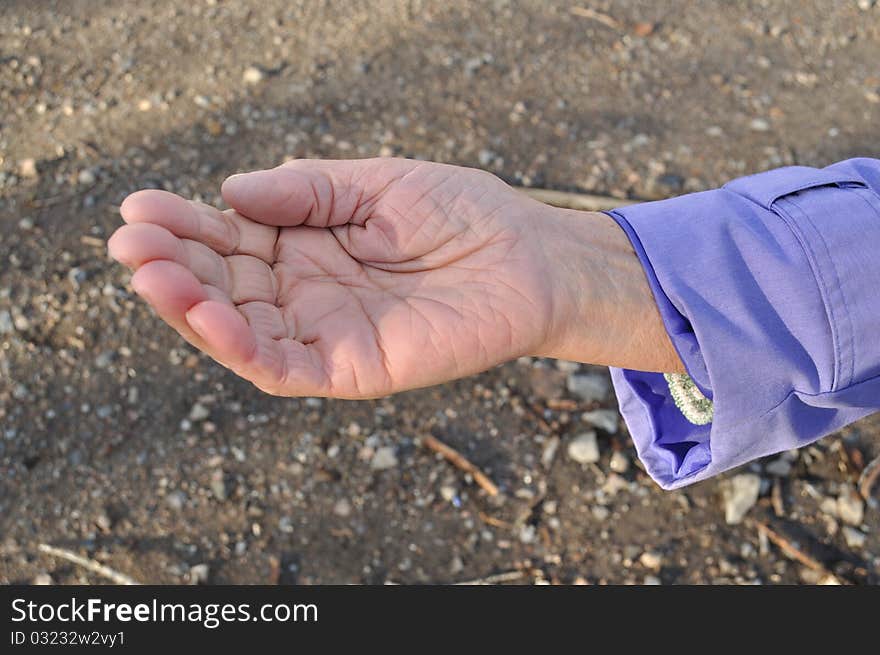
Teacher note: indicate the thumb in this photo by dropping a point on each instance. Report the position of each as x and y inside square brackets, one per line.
[317, 193]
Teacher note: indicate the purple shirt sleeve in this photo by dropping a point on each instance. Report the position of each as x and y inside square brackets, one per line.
[770, 291]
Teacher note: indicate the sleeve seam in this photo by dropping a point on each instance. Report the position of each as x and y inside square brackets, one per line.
[840, 322]
[811, 260]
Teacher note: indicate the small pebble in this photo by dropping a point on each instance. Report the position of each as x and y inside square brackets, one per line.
[43, 579]
[86, 177]
[600, 512]
[614, 484]
[850, 506]
[218, 484]
[199, 573]
[590, 387]
[643, 28]
[584, 448]
[549, 452]
[6, 324]
[619, 462]
[199, 413]
[176, 500]
[383, 458]
[103, 522]
[27, 168]
[651, 560]
[342, 508]
[485, 157]
[604, 419]
[253, 75]
[448, 493]
[855, 539]
[780, 468]
[527, 534]
[740, 493]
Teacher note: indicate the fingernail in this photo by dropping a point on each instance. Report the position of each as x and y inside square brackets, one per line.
[137, 286]
[192, 319]
[110, 248]
[231, 182]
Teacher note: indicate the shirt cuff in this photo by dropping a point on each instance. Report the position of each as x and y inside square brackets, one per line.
[768, 290]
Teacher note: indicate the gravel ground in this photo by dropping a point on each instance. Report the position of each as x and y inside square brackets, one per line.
[121, 443]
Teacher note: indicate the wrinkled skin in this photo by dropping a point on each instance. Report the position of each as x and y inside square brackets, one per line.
[350, 279]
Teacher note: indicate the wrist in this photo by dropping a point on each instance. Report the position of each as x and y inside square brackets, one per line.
[603, 310]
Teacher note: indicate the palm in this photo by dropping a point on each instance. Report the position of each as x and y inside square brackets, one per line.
[354, 279]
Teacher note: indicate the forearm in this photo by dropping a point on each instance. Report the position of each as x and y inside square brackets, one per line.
[603, 309]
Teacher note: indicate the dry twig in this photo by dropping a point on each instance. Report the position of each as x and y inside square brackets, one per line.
[562, 404]
[795, 553]
[491, 520]
[90, 565]
[87, 240]
[776, 498]
[508, 576]
[538, 415]
[869, 477]
[572, 200]
[39, 203]
[599, 17]
[852, 460]
[461, 462]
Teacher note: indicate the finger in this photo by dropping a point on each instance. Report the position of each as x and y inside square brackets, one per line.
[171, 290]
[225, 232]
[274, 365]
[135, 245]
[241, 277]
[225, 331]
[253, 340]
[317, 193]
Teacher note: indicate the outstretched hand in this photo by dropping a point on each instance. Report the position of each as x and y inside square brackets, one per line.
[345, 278]
[357, 279]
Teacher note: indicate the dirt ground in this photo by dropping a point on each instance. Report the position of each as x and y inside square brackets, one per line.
[121, 443]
